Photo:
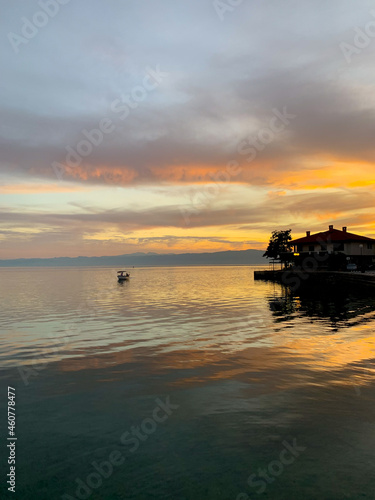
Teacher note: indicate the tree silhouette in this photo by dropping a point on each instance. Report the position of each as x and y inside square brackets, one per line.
[278, 245]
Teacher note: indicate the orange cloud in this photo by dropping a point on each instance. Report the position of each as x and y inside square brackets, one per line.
[103, 174]
[319, 172]
[325, 174]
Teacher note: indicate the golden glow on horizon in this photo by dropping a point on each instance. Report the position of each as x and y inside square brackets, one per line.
[42, 188]
[275, 199]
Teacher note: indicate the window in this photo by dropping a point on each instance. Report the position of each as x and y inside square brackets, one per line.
[323, 247]
[338, 247]
[369, 246]
[299, 248]
[311, 248]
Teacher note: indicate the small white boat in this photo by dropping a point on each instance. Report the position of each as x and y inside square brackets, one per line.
[122, 276]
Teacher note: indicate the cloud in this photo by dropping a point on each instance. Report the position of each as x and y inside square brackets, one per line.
[189, 142]
[224, 81]
[90, 218]
[208, 105]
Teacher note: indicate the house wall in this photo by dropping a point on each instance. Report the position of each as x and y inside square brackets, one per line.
[317, 248]
[352, 248]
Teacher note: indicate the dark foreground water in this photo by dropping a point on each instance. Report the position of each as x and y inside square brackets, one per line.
[185, 384]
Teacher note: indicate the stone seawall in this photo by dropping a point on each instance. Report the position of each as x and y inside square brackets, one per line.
[316, 278]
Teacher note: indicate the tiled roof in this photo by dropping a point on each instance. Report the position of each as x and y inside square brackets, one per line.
[331, 236]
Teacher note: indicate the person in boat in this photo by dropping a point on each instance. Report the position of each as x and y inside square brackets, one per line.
[122, 275]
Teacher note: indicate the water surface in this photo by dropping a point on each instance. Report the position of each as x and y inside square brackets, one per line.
[247, 367]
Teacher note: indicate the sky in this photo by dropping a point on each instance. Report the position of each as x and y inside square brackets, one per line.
[183, 126]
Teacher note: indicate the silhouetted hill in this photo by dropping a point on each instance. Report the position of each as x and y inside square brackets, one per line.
[240, 257]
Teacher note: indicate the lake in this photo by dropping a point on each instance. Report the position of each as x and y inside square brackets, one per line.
[186, 383]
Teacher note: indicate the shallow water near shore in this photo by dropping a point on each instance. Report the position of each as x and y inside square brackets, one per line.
[187, 383]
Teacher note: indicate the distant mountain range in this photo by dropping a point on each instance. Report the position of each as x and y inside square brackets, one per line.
[240, 257]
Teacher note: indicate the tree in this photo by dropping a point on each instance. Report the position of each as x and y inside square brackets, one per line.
[279, 245]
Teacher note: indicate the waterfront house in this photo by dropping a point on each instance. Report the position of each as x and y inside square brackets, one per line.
[338, 246]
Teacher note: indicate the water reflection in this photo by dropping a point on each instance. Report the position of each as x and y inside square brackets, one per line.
[338, 305]
[328, 329]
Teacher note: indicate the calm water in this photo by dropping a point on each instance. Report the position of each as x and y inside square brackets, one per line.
[197, 383]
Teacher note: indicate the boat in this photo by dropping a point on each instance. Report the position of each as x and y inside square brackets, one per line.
[122, 276]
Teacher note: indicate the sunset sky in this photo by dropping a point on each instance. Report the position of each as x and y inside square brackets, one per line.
[212, 123]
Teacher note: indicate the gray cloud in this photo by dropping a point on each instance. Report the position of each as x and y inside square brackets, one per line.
[219, 90]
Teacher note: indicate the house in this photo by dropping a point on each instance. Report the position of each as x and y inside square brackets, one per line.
[340, 245]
